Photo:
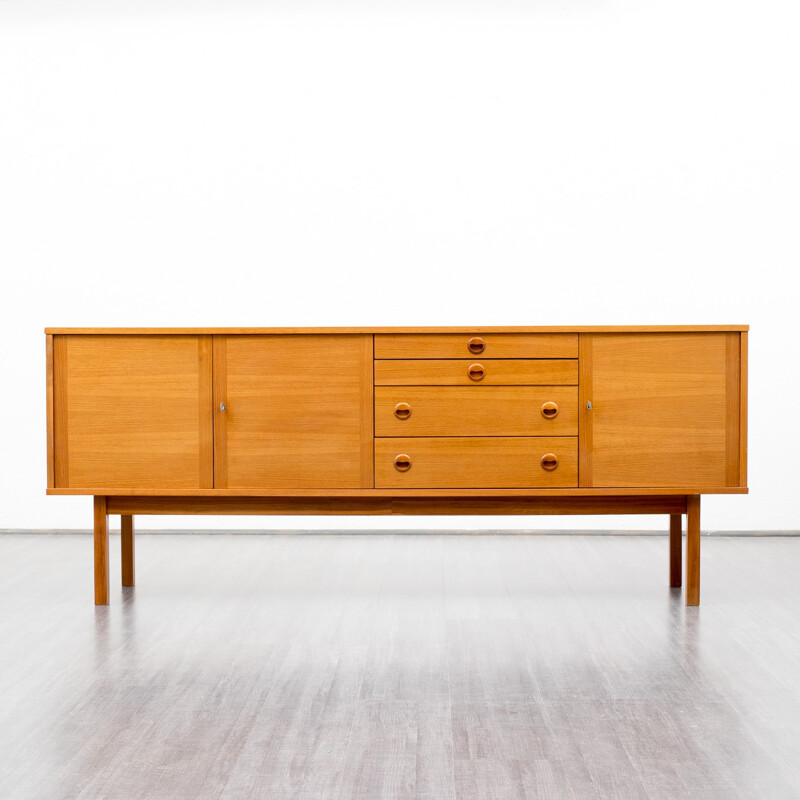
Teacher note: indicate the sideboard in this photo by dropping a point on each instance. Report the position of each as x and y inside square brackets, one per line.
[485, 420]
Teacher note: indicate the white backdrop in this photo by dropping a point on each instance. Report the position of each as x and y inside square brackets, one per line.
[477, 163]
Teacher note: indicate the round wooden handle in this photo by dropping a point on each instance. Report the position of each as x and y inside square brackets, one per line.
[402, 462]
[476, 345]
[549, 461]
[476, 372]
[402, 411]
[549, 409]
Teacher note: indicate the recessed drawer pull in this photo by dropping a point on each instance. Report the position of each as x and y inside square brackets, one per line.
[476, 372]
[402, 463]
[402, 411]
[549, 409]
[476, 345]
[549, 461]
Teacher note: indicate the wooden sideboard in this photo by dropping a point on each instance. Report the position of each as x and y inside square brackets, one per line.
[533, 420]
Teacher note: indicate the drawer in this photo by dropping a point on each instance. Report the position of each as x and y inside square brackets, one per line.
[498, 462]
[462, 411]
[487, 345]
[473, 372]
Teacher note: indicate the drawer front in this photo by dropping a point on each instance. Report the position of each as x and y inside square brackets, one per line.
[486, 345]
[462, 411]
[476, 462]
[476, 372]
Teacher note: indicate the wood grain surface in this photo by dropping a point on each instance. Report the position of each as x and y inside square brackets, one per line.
[495, 345]
[461, 411]
[297, 411]
[479, 330]
[60, 412]
[743, 410]
[49, 430]
[101, 557]
[455, 372]
[693, 551]
[476, 462]
[665, 410]
[616, 491]
[128, 550]
[486, 501]
[675, 553]
[132, 411]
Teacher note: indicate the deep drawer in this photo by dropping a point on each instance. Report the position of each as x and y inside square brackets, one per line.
[476, 462]
[462, 411]
[483, 372]
[487, 345]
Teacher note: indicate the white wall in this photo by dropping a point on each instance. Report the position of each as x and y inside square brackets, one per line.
[232, 163]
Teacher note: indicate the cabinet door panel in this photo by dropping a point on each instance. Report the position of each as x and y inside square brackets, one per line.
[665, 410]
[298, 411]
[132, 412]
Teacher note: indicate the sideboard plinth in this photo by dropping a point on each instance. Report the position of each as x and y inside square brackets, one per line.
[674, 506]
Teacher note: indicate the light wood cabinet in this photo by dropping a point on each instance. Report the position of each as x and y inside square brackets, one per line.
[585, 420]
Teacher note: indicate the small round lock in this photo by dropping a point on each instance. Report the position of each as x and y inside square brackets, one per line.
[549, 409]
[476, 372]
[402, 463]
[549, 461]
[476, 345]
[402, 411]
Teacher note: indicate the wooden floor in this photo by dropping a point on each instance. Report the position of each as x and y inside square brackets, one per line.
[399, 666]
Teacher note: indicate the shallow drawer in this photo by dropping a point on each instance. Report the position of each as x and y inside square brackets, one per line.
[476, 462]
[488, 345]
[484, 372]
[462, 411]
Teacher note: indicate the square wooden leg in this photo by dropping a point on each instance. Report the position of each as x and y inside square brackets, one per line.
[675, 556]
[100, 551]
[693, 550]
[128, 555]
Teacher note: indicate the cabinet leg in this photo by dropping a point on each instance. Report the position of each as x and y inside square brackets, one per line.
[693, 550]
[128, 553]
[100, 551]
[675, 559]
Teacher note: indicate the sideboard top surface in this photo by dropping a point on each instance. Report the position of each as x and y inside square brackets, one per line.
[416, 329]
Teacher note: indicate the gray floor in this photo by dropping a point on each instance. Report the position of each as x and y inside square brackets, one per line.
[399, 666]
